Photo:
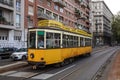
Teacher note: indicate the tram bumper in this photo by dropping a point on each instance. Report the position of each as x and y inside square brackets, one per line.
[37, 64]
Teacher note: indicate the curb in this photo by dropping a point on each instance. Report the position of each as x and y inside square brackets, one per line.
[12, 66]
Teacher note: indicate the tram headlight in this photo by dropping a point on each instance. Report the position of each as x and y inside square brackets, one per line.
[32, 55]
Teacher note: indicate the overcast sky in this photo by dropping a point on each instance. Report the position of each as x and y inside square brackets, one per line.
[114, 5]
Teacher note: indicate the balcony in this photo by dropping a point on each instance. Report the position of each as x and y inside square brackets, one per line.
[60, 3]
[8, 3]
[4, 22]
[83, 17]
[83, 4]
[97, 33]
[77, 1]
[107, 34]
[77, 12]
[87, 21]
[43, 16]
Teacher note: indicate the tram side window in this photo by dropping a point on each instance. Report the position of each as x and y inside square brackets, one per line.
[52, 40]
[87, 42]
[70, 41]
[81, 42]
[75, 41]
[56, 40]
[65, 44]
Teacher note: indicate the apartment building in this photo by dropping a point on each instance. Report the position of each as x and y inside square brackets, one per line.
[101, 20]
[12, 23]
[73, 13]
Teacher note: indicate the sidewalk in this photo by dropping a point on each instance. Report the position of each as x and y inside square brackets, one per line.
[114, 73]
[100, 47]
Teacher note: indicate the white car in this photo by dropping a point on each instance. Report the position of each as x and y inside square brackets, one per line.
[20, 54]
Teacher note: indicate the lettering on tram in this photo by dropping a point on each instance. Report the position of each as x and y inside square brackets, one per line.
[54, 43]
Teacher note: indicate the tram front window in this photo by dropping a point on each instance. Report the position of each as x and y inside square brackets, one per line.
[40, 40]
[32, 39]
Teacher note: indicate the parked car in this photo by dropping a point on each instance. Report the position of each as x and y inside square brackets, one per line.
[20, 54]
[6, 52]
[3, 54]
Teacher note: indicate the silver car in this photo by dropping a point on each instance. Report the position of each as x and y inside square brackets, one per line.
[20, 54]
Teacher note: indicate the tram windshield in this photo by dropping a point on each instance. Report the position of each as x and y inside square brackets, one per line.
[32, 39]
[40, 39]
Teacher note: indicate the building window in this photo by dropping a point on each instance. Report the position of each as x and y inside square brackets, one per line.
[40, 10]
[2, 37]
[56, 7]
[30, 10]
[61, 19]
[41, 1]
[18, 16]
[6, 38]
[48, 13]
[18, 5]
[61, 10]
[55, 16]
[18, 38]
[31, 0]
[48, 3]
[0, 13]
[30, 23]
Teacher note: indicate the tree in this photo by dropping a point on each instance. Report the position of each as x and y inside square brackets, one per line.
[116, 28]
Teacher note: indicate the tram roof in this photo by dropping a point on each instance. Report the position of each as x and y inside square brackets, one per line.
[58, 25]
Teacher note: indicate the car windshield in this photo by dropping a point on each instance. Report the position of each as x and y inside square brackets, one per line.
[22, 50]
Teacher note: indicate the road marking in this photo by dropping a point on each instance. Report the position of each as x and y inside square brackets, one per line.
[43, 76]
[64, 69]
[46, 76]
[22, 74]
[29, 74]
[7, 73]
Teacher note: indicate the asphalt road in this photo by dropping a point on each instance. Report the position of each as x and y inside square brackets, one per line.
[83, 68]
[6, 62]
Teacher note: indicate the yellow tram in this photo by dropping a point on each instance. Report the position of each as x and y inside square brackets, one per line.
[54, 43]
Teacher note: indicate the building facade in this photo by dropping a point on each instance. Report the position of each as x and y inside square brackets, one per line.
[12, 23]
[73, 13]
[101, 20]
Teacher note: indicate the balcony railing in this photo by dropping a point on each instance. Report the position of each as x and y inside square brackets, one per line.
[78, 1]
[98, 33]
[43, 16]
[77, 12]
[60, 3]
[107, 34]
[4, 22]
[83, 4]
[8, 3]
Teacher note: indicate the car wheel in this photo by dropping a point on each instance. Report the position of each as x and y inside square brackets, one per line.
[24, 58]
